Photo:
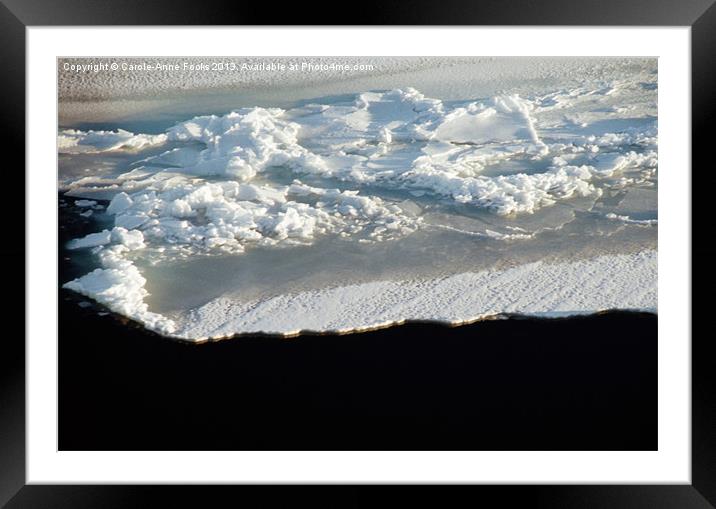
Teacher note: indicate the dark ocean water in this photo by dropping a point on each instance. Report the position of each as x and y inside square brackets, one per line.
[586, 383]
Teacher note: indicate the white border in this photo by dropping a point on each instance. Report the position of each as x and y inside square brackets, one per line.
[670, 464]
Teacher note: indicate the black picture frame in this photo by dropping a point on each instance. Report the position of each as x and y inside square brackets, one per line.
[700, 15]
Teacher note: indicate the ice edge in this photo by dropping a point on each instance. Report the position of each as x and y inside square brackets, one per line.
[546, 316]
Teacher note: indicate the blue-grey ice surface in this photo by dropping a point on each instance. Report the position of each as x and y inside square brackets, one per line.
[357, 210]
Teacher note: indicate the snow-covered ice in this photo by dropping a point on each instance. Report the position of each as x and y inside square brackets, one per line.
[535, 289]
[534, 201]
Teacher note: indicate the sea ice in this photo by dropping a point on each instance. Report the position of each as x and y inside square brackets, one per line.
[543, 170]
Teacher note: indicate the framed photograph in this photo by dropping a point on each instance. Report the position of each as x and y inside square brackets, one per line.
[454, 252]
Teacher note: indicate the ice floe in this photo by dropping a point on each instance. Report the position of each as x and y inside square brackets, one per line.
[369, 169]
